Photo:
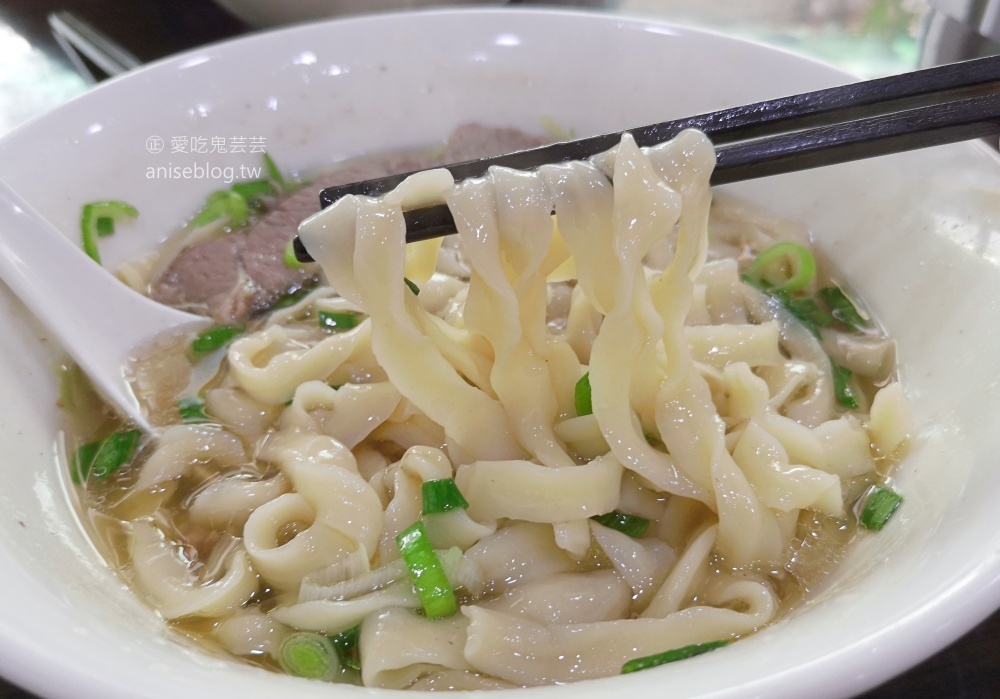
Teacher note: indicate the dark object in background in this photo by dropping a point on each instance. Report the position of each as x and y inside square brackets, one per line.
[955, 30]
[146, 30]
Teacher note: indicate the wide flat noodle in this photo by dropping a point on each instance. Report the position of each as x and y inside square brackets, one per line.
[528, 653]
[577, 354]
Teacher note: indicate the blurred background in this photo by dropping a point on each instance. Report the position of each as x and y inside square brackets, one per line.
[40, 69]
[54, 50]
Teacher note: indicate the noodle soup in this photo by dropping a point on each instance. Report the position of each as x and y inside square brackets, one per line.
[612, 424]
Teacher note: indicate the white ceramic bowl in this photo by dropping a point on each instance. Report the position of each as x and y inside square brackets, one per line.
[918, 235]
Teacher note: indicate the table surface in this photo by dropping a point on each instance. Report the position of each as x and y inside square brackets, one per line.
[869, 37]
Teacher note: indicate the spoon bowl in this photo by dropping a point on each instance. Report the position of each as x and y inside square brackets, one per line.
[96, 318]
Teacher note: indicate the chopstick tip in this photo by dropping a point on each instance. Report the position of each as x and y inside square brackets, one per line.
[299, 249]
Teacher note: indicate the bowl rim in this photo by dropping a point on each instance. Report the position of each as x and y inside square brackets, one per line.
[975, 595]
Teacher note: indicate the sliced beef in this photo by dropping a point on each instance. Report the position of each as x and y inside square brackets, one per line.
[232, 277]
[242, 273]
[474, 141]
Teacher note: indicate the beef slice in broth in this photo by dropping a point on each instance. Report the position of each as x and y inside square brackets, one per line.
[242, 273]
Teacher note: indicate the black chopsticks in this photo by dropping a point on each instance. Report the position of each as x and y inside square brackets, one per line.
[950, 103]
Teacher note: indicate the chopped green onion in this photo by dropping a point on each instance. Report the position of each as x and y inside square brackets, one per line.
[291, 261]
[783, 267]
[102, 458]
[308, 654]
[333, 320]
[876, 506]
[225, 204]
[582, 399]
[442, 495]
[346, 643]
[346, 640]
[213, 339]
[842, 386]
[234, 204]
[97, 219]
[413, 287]
[290, 299]
[671, 656]
[803, 308]
[273, 173]
[192, 410]
[841, 307]
[429, 579]
[105, 226]
[807, 311]
[253, 190]
[633, 525]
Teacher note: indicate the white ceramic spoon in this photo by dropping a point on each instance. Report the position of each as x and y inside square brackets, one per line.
[93, 315]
